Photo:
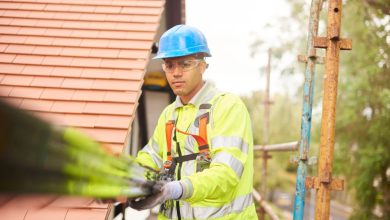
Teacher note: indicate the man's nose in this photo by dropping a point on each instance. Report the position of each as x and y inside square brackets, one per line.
[177, 71]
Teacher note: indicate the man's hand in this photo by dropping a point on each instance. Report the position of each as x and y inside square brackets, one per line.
[161, 192]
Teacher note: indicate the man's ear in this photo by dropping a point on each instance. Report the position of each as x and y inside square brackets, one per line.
[204, 66]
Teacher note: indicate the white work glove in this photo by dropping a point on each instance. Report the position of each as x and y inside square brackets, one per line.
[161, 192]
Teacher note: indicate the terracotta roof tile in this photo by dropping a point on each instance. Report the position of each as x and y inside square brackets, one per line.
[76, 202]
[89, 95]
[58, 32]
[61, 41]
[37, 70]
[67, 16]
[94, 43]
[110, 121]
[85, 33]
[26, 92]
[82, 8]
[6, 21]
[28, 59]
[17, 80]
[97, 73]
[57, 7]
[5, 90]
[126, 44]
[23, 22]
[13, 213]
[81, 120]
[39, 40]
[116, 85]
[16, 13]
[31, 31]
[9, 30]
[133, 53]
[25, 49]
[56, 60]
[140, 11]
[7, 58]
[77, 83]
[86, 62]
[27, 6]
[36, 105]
[108, 9]
[93, 17]
[68, 107]
[88, 214]
[11, 68]
[121, 96]
[7, 5]
[106, 53]
[75, 51]
[127, 74]
[115, 136]
[108, 108]
[57, 94]
[49, 23]
[43, 81]
[122, 63]
[44, 50]
[12, 39]
[41, 14]
[3, 47]
[46, 214]
[15, 101]
[67, 71]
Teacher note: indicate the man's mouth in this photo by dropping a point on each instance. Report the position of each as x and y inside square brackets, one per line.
[178, 83]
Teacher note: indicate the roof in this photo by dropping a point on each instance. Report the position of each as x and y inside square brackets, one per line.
[77, 63]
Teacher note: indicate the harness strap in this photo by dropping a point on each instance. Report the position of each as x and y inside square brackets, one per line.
[185, 158]
[168, 135]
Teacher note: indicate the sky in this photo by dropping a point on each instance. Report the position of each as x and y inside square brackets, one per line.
[230, 28]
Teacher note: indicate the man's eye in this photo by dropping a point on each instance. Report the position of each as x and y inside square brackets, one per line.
[169, 65]
[187, 64]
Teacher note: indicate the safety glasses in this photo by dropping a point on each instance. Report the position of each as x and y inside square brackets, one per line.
[183, 65]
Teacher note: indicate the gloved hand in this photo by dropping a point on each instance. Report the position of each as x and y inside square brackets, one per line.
[161, 192]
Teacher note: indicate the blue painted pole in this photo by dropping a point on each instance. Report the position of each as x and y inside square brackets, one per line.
[308, 91]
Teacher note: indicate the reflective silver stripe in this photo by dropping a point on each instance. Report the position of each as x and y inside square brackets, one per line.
[153, 151]
[238, 205]
[231, 141]
[229, 160]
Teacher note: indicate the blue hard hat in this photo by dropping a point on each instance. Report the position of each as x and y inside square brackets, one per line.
[182, 40]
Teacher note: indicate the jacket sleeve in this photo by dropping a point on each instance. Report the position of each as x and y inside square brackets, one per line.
[151, 155]
[231, 138]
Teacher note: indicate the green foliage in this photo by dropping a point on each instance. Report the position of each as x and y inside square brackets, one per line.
[362, 148]
[284, 126]
[363, 116]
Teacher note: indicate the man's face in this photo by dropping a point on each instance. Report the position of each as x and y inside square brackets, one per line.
[184, 75]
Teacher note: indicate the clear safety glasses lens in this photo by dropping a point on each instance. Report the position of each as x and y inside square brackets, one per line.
[184, 65]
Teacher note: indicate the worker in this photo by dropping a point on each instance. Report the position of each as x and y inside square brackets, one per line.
[202, 143]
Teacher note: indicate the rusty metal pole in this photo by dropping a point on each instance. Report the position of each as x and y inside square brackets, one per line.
[266, 125]
[333, 43]
[266, 131]
[308, 92]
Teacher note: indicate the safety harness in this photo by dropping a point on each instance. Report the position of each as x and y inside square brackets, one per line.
[202, 158]
[201, 139]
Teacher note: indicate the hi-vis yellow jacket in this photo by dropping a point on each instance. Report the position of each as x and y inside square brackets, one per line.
[222, 191]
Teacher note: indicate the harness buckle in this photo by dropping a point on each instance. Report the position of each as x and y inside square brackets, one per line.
[202, 161]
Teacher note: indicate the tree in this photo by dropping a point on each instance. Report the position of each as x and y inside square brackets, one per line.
[363, 116]
[362, 150]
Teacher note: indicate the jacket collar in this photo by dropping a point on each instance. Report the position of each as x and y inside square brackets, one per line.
[205, 94]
